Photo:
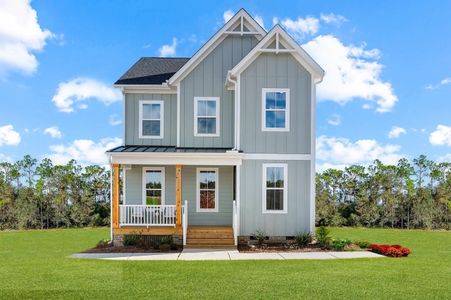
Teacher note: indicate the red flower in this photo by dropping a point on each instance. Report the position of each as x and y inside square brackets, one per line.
[387, 250]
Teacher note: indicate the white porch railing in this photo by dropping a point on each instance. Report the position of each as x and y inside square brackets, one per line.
[185, 221]
[147, 215]
[235, 223]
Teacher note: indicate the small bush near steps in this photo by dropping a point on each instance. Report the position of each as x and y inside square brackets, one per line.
[303, 239]
[390, 250]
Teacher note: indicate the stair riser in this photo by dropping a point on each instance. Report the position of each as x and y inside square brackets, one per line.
[210, 242]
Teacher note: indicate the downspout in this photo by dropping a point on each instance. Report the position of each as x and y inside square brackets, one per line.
[229, 79]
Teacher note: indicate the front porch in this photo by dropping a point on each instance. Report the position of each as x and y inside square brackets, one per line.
[172, 215]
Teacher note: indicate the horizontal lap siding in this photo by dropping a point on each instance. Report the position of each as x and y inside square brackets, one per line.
[132, 119]
[297, 217]
[208, 80]
[275, 71]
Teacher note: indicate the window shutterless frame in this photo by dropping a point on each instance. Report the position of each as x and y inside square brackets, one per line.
[144, 188]
[198, 189]
[285, 188]
[286, 110]
[196, 116]
[141, 119]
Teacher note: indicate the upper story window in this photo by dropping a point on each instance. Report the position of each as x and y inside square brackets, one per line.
[151, 115]
[275, 109]
[206, 116]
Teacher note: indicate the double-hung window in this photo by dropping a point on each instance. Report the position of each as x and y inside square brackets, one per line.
[207, 190]
[153, 181]
[206, 116]
[275, 188]
[275, 109]
[151, 119]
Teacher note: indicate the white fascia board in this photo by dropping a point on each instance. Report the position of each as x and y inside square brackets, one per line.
[275, 156]
[211, 44]
[299, 54]
[147, 88]
[161, 158]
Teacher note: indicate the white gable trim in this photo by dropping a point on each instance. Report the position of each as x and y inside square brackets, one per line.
[281, 37]
[241, 16]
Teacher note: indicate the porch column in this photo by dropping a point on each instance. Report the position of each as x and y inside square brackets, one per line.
[178, 195]
[115, 195]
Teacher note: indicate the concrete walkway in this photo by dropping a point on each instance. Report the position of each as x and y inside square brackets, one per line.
[218, 254]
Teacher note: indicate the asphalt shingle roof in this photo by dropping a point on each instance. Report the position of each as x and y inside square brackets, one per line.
[152, 70]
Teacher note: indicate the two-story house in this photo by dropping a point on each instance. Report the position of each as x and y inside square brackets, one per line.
[219, 145]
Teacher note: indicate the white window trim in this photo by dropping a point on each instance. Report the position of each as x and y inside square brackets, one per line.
[145, 169]
[287, 109]
[218, 130]
[198, 209]
[141, 103]
[285, 189]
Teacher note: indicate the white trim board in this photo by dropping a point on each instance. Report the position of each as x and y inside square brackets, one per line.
[275, 156]
[207, 210]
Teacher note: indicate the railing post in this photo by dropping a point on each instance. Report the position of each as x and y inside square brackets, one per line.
[185, 222]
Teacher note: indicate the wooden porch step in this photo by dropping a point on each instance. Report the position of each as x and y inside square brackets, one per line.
[208, 241]
[223, 247]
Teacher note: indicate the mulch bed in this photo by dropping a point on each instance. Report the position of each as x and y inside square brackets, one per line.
[126, 249]
[275, 247]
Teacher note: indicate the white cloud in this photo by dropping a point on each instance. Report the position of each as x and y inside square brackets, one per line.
[20, 37]
[334, 120]
[168, 50]
[5, 158]
[8, 136]
[333, 19]
[442, 82]
[333, 152]
[84, 151]
[259, 20]
[300, 27]
[115, 120]
[441, 136]
[395, 132]
[82, 89]
[352, 72]
[227, 15]
[445, 158]
[54, 132]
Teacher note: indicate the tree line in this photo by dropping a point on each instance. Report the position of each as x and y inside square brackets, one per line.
[42, 195]
[408, 195]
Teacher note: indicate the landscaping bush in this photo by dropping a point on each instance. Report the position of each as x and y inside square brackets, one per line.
[103, 243]
[362, 244]
[390, 250]
[164, 247]
[260, 236]
[323, 237]
[131, 239]
[167, 239]
[303, 239]
[339, 244]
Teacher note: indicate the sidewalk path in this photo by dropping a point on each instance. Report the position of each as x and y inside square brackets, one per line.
[218, 254]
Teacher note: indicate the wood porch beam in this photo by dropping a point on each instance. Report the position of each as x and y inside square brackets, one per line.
[115, 195]
[178, 195]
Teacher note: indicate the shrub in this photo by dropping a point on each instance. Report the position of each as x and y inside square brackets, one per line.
[164, 247]
[260, 236]
[362, 244]
[303, 239]
[131, 239]
[166, 240]
[323, 236]
[339, 244]
[103, 243]
[392, 251]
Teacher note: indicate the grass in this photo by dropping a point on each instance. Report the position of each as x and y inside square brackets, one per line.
[34, 264]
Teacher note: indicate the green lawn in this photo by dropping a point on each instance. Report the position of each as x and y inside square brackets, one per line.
[34, 264]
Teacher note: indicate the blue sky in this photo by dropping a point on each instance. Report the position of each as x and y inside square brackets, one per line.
[388, 69]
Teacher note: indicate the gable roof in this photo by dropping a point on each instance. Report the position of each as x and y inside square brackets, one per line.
[152, 70]
[283, 43]
[242, 20]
